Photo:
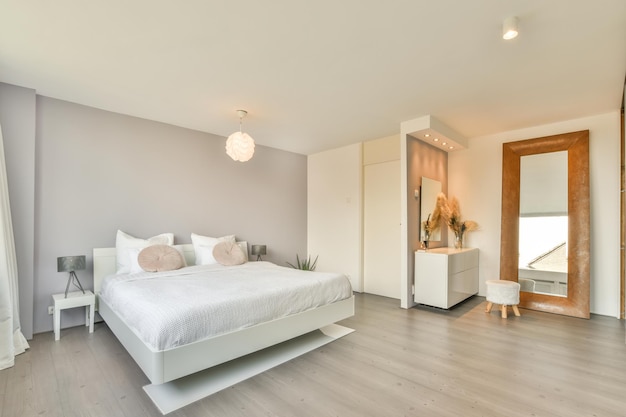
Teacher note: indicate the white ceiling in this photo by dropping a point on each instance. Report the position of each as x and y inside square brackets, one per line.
[315, 75]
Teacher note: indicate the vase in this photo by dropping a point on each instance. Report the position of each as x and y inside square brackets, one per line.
[458, 240]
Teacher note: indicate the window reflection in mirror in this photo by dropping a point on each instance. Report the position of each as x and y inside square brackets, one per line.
[543, 223]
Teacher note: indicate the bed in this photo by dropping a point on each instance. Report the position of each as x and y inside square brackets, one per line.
[163, 364]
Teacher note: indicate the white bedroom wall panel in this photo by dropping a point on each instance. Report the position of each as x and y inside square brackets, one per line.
[334, 205]
[381, 150]
[475, 177]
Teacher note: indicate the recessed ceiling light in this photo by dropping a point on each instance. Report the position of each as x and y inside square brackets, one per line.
[509, 28]
[451, 147]
[436, 139]
[427, 135]
[444, 143]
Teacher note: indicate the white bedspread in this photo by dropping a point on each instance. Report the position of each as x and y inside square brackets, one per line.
[169, 309]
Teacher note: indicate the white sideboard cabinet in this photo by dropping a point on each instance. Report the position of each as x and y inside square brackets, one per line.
[445, 276]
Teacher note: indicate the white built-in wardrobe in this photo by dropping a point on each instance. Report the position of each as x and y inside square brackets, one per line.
[354, 213]
[381, 217]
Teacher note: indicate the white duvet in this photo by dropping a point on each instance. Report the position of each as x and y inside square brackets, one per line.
[169, 309]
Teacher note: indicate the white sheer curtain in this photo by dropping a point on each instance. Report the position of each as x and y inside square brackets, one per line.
[12, 341]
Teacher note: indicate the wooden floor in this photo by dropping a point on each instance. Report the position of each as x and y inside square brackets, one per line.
[417, 362]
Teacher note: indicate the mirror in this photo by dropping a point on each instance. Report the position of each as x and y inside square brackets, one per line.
[543, 223]
[430, 191]
[575, 298]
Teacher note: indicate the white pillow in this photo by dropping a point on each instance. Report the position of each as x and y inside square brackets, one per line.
[124, 242]
[244, 248]
[204, 255]
[203, 247]
[133, 260]
[179, 248]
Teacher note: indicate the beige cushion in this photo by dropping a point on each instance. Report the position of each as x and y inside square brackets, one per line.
[203, 247]
[157, 258]
[228, 253]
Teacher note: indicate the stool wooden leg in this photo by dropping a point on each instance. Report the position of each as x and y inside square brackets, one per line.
[516, 310]
[504, 311]
[489, 305]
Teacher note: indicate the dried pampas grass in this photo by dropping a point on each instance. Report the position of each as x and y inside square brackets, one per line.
[451, 212]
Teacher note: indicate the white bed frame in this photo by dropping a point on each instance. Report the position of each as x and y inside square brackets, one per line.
[168, 365]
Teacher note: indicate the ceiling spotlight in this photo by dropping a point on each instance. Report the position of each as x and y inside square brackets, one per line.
[427, 135]
[509, 28]
[436, 139]
[239, 145]
[451, 147]
[444, 143]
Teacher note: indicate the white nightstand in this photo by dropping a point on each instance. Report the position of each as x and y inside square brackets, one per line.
[74, 299]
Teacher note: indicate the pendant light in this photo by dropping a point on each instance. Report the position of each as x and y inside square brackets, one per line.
[239, 145]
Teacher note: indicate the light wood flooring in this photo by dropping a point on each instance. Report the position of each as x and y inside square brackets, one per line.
[417, 362]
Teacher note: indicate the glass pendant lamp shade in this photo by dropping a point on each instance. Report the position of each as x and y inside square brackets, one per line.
[240, 146]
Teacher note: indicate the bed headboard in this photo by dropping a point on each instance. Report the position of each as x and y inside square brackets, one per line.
[104, 263]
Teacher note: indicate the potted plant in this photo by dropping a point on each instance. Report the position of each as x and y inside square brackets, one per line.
[451, 212]
[304, 264]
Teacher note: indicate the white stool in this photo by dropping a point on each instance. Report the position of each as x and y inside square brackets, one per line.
[503, 292]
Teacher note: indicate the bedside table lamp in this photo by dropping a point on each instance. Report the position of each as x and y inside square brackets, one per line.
[71, 264]
[258, 250]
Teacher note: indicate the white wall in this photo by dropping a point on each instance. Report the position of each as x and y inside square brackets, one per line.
[475, 177]
[334, 211]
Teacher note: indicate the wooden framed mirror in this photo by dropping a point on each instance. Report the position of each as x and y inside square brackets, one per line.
[575, 301]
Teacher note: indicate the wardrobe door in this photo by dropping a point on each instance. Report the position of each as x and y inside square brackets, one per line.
[381, 229]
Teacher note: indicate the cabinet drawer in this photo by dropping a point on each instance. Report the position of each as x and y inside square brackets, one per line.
[462, 261]
[445, 276]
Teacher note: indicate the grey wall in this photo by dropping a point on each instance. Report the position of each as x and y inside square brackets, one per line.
[98, 171]
[17, 118]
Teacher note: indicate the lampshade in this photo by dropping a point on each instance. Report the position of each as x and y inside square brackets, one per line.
[258, 250]
[71, 263]
[239, 145]
[509, 28]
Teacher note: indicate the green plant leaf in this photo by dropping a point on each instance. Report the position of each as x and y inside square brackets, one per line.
[304, 264]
